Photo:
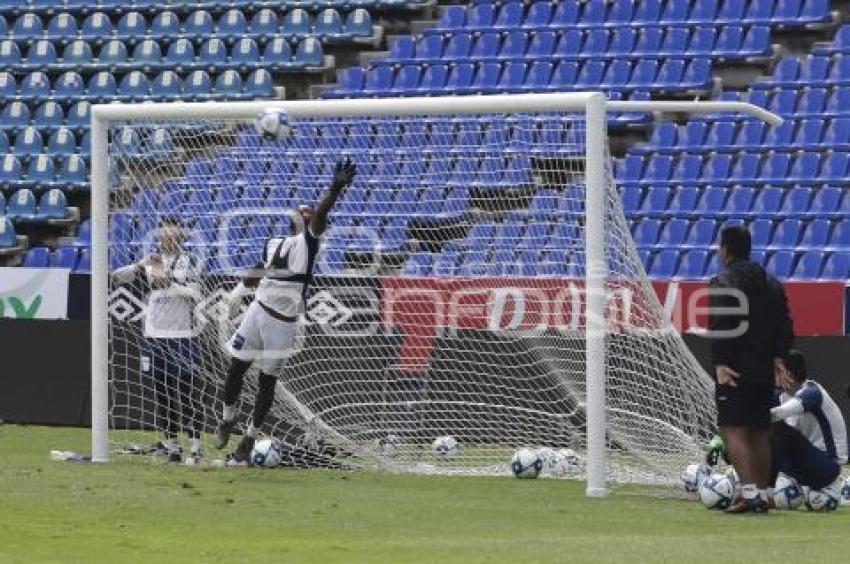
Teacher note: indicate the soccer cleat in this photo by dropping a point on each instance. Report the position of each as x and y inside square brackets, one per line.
[243, 449]
[175, 457]
[222, 433]
[742, 505]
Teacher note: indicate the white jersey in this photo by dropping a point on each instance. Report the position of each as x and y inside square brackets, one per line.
[289, 270]
[812, 412]
[170, 309]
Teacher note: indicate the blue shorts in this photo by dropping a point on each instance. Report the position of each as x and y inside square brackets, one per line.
[163, 359]
[795, 456]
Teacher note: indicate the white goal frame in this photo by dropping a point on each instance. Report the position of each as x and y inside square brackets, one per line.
[595, 107]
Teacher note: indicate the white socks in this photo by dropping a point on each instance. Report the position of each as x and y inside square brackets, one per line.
[749, 491]
[229, 412]
[197, 445]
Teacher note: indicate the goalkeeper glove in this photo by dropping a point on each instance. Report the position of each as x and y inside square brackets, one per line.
[344, 173]
[716, 449]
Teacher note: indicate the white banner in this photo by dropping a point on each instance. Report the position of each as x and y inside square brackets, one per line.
[34, 293]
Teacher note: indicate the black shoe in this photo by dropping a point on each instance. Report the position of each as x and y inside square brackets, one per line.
[222, 433]
[243, 449]
[175, 457]
[741, 505]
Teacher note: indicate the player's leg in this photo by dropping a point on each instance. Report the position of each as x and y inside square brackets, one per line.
[155, 358]
[262, 405]
[190, 417]
[795, 456]
[243, 347]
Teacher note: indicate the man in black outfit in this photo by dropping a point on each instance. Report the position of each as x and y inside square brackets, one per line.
[751, 333]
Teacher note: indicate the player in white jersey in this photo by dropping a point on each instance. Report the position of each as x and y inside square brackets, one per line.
[808, 436]
[269, 332]
[170, 279]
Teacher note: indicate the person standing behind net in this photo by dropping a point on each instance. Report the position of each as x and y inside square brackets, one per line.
[169, 356]
[751, 332]
[269, 330]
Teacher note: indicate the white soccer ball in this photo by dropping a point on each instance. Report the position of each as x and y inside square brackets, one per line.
[787, 493]
[845, 491]
[824, 500]
[717, 492]
[273, 125]
[445, 446]
[565, 463]
[547, 456]
[388, 446]
[693, 476]
[267, 453]
[526, 463]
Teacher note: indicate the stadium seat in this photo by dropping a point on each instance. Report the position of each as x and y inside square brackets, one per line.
[40, 55]
[328, 24]
[64, 257]
[53, 205]
[836, 267]
[28, 26]
[77, 55]
[826, 201]
[664, 264]
[418, 264]
[132, 27]
[259, 84]
[78, 115]
[69, 87]
[816, 234]
[101, 88]
[245, 54]
[309, 53]
[199, 25]
[62, 143]
[296, 23]
[36, 257]
[213, 54]
[167, 86]
[28, 141]
[228, 86]
[8, 238]
[62, 28]
[197, 86]
[41, 173]
[165, 25]
[73, 174]
[22, 206]
[10, 171]
[14, 115]
[232, 25]
[35, 86]
[780, 264]
[10, 54]
[264, 24]
[147, 55]
[180, 55]
[97, 27]
[693, 264]
[712, 202]
[113, 55]
[358, 23]
[809, 265]
[134, 87]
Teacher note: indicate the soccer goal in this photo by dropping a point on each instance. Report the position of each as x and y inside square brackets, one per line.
[478, 281]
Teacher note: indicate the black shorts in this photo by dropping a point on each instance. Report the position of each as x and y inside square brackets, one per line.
[747, 405]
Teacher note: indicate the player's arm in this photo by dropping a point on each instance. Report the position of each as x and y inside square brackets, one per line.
[127, 274]
[785, 330]
[808, 399]
[343, 176]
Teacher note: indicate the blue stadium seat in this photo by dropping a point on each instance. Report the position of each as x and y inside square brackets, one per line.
[64, 257]
[693, 264]
[62, 28]
[10, 54]
[684, 201]
[245, 54]
[10, 171]
[36, 257]
[62, 142]
[77, 55]
[649, 41]
[826, 201]
[199, 25]
[4, 148]
[309, 53]
[805, 167]
[134, 87]
[460, 78]
[816, 234]
[644, 73]
[132, 27]
[781, 264]
[40, 55]
[740, 202]
[228, 85]
[264, 24]
[8, 239]
[259, 84]
[358, 23]
[167, 86]
[147, 55]
[296, 23]
[591, 74]
[102, 87]
[97, 27]
[53, 205]
[622, 41]
[22, 206]
[837, 134]
[655, 201]
[418, 264]
[41, 172]
[15, 115]
[73, 173]
[513, 45]
[35, 86]
[406, 80]
[836, 267]
[28, 26]
[674, 233]
[79, 115]
[768, 201]
[797, 202]
[646, 233]
[232, 25]
[8, 85]
[213, 54]
[748, 166]
[278, 55]
[28, 141]
[328, 24]
[665, 264]
[761, 231]
[688, 169]
[787, 234]
[835, 167]
[434, 79]
[114, 55]
[486, 46]
[712, 202]
[181, 55]
[69, 87]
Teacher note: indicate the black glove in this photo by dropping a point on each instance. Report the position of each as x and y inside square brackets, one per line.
[343, 174]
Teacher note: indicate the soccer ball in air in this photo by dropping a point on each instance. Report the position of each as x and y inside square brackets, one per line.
[717, 492]
[845, 491]
[693, 476]
[388, 446]
[526, 463]
[267, 453]
[565, 463]
[826, 499]
[787, 493]
[445, 446]
[273, 125]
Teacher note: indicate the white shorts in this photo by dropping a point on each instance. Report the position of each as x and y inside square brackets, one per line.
[267, 341]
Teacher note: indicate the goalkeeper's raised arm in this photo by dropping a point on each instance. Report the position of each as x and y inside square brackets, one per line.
[269, 332]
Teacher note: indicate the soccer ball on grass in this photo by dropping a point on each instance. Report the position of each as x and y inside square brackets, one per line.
[822, 500]
[717, 492]
[787, 493]
[693, 476]
[565, 463]
[267, 453]
[445, 446]
[526, 463]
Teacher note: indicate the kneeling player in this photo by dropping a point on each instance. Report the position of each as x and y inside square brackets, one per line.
[269, 331]
[808, 435]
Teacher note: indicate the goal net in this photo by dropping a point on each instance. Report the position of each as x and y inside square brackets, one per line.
[449, 297]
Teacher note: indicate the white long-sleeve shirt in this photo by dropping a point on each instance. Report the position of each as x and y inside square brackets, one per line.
[170, 308]
[812, 412]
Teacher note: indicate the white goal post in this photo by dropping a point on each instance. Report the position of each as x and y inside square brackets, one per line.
[595, 174]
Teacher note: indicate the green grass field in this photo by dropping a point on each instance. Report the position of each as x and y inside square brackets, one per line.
[124, 512]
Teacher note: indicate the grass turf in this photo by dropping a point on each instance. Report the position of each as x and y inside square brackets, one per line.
[124, 512]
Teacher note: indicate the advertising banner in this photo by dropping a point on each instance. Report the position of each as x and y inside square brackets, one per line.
[34, 293]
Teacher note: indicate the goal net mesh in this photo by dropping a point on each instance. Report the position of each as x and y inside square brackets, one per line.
[448, 297]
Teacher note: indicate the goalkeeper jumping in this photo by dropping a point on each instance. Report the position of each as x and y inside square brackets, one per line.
[269, 332]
